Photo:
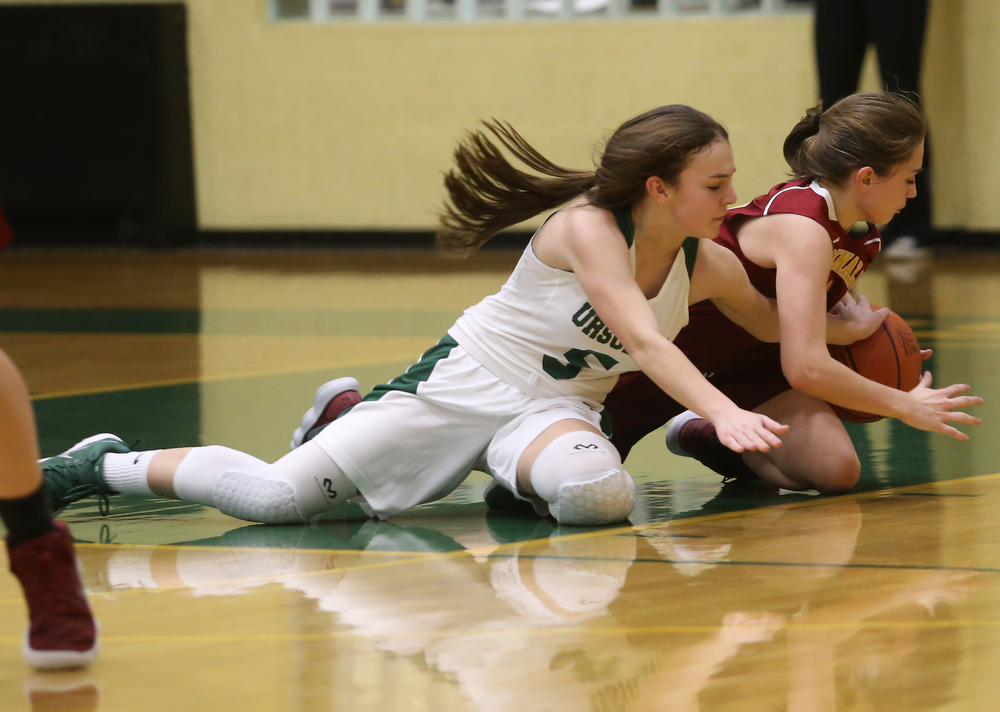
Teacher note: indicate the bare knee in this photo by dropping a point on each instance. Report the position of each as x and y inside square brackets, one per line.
[839, 474]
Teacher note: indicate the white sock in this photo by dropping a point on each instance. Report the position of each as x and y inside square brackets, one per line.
[127, 472]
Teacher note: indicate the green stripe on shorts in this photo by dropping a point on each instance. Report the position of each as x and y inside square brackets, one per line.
[417, 373]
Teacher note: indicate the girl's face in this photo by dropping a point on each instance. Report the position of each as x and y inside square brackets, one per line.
[704, 191]
[879, 199]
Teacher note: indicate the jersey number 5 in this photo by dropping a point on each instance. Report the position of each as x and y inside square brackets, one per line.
[576, 361]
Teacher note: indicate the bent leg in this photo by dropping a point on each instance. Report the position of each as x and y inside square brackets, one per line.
[816, 453]
[570, 465]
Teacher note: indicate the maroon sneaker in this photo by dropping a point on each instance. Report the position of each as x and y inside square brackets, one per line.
[62, 633]
[689, 435]
[331, 399]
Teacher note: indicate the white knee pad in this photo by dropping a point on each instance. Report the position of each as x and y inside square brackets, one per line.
[580, 475]
[197, 474]
[255, 497]
[300, 485]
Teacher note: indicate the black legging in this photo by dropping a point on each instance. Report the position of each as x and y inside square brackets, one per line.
[843, 31]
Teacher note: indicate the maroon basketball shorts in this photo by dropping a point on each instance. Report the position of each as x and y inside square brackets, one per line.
[637, 406]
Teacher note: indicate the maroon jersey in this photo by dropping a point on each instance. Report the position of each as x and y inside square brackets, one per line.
[747, 370]
[716, 344]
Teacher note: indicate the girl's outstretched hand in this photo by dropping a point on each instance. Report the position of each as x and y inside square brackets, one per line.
[934, 408]
[741, 430]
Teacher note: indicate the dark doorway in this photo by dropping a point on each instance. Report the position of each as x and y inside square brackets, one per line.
[95, 125]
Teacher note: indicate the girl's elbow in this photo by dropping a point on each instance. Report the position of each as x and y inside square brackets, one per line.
[802, 377]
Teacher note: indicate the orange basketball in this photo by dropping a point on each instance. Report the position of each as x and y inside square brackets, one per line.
[890, 356]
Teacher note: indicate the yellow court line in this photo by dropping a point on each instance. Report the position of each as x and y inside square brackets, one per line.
[213, 379]
[544, 631]
[420, 557]
[199, 547]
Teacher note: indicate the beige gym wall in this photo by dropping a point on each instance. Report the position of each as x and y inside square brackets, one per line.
[348, 126]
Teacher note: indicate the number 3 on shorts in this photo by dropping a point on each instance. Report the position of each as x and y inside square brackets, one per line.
[576, 360]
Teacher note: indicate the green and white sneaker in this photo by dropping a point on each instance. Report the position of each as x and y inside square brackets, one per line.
[77, 473]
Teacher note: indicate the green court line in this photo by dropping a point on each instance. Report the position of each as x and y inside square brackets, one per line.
[100, 321]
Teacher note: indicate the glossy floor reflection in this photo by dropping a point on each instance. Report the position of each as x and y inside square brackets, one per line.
[713, 600]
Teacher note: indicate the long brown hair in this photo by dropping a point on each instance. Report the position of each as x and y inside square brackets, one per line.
[877, 130]
[487, 193]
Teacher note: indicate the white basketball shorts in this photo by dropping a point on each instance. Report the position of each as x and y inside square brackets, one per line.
[416, 439]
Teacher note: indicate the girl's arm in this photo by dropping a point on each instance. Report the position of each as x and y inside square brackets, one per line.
[802, 254]
[719, 276]
[595, 251]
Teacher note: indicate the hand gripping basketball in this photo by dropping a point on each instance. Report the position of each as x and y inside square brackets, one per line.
[890, 356]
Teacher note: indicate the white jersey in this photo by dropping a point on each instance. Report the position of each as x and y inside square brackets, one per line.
[540, 334]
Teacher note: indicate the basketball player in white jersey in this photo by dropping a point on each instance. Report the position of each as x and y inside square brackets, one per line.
[515, 387]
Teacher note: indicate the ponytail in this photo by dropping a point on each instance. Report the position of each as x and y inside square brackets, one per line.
[877, 130]
[486, 193]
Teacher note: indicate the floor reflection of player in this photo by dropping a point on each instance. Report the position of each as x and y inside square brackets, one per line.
[850, 632]
[514, 637]
[583, 623]
[63, 691]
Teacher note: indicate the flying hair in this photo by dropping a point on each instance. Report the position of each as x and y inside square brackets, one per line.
[488, 193]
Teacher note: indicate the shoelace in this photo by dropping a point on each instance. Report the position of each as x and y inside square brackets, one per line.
[77, 469]
[83, 491]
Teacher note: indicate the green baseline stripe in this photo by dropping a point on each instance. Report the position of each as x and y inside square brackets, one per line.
[101, 321]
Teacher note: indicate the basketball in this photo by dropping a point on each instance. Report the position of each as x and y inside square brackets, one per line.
[890, 356]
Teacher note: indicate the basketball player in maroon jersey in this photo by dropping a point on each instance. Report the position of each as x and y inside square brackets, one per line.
[854, 162]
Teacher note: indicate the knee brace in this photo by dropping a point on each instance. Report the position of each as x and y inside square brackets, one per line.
[300, 485]
[580, 475]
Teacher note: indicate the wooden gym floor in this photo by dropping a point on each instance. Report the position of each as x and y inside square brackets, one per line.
[883, 599]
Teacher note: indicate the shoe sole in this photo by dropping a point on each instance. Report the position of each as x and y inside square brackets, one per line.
[256, 499]
[324, 394]
[59, 659]
[674, 432]
[605, 501]
[85, 442]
